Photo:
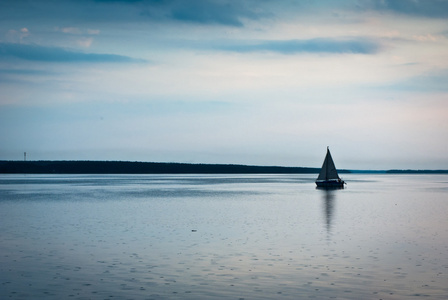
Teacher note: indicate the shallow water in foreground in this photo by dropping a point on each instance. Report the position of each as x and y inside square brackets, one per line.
[222, 236]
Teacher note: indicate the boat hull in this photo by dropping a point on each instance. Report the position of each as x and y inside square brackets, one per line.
[335, 184]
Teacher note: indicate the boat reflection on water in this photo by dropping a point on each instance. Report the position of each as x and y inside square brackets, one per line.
[328, 205]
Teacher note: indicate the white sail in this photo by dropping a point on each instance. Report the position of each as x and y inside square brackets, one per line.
[328, 171]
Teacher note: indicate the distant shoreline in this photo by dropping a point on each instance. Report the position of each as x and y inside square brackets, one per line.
[128, 167]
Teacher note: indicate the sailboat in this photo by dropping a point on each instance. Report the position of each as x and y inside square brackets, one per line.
[328, 176]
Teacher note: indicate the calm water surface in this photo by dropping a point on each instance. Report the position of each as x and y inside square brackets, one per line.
[222, 236]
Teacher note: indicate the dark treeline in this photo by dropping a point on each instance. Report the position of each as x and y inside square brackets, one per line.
[127, 167]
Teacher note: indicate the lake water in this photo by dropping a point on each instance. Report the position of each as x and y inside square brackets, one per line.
[223, 236]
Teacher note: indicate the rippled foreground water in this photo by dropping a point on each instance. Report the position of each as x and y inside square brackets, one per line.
[222, 236]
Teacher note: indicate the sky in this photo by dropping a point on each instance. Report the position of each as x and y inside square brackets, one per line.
[256, 82]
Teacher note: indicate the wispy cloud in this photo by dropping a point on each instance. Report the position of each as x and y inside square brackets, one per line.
[211, 12]
[318, 45]
[234, 13]
[206, 12]
[71, 30]
[17, 35]
[77, 30]
[424, 8]
[56, 54]
[430, 82]
[25, 72]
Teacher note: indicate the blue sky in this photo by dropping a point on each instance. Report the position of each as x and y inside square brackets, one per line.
[219, 81]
